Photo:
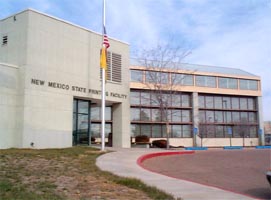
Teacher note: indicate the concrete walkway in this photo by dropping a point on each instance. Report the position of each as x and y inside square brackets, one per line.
[123, 162]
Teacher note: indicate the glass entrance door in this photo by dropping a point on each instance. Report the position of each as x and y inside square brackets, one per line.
[81, 122]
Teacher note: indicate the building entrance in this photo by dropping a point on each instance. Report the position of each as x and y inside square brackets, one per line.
[87, 122]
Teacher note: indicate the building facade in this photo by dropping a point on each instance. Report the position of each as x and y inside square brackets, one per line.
[50, 84]
[50, 93]
[206, 106]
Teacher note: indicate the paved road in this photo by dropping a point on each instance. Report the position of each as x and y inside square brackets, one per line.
[123, 162]
[241, 171]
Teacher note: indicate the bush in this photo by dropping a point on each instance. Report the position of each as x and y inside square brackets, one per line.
[142, 138]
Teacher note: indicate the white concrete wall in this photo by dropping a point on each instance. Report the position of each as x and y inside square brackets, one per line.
[8, 106]
[63, 53]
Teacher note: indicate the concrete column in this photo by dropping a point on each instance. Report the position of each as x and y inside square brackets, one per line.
[260, 121]
[195, 114]
[121, 125]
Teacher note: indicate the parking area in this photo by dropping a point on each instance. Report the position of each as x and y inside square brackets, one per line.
[240, 171]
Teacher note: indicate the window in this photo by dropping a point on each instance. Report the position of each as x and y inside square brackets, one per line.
[206, 81]
[136, 76]
[248, 84]
[156, 77]
[182, 79]
[135, 98]
[5, 40]
[229, 83]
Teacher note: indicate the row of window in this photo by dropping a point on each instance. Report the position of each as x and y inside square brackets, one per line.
[188, 80]
[159, 131]
[210, 116]
[219, 131]
[149, 98]
[156, 115]
[225, 102]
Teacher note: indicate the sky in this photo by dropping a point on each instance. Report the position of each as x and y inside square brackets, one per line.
[226, 33]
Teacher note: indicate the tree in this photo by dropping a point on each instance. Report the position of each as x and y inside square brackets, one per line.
[161, 64]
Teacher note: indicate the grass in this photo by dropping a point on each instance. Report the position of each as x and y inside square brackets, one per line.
[70, 173]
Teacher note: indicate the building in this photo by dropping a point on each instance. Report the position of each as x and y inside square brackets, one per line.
[208, 106]
[50, 85]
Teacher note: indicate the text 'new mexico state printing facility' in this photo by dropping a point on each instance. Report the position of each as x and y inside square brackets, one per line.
[50, 92]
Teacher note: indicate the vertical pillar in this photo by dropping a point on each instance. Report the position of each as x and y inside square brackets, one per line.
[260, 121]
[195, 114]
[121, 125]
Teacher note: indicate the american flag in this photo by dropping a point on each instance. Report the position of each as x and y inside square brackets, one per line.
[105, 40]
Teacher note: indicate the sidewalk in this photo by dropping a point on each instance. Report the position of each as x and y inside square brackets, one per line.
[123, 162]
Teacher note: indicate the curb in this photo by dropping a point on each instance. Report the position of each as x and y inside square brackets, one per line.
[151, 155]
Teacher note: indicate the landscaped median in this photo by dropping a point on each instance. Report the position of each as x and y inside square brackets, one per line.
[70, 173]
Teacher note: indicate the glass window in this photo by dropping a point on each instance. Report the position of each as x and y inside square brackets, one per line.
[243, 103]
[218, 116]
[95, 113]
[218, 102]
[95, 130]
[155, 96]
[253, 131]
[186, 131]
[206, 81]
[176, 115]
[145, 114]
[156, 131]
[201, 101]
[235, 117]
[251, 103]
[186, 100]
[219, 132]
[210, 131]
[186, 116]
[252, 117]
[136, 76]
[146, 130]
[135, 114]
[235, 103]
[176, 100]
[226, 103]
[228, 117]
[230, 83]
[107, 113]
[151, 77]
[176, 131]
[210, 116]
[209, 102]
[248, 84]
[145, 98]
[135, 98]
[202, 116]
[135, 130]
[83, 107]
[244, 117]
[107, 129]
[156, 115]
[163, 77]
[182, 79]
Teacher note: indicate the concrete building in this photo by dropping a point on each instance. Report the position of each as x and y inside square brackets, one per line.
[50, 85]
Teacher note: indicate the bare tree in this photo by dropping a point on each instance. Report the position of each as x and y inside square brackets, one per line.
[162, 64]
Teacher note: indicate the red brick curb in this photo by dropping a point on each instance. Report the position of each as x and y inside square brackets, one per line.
[141, 159]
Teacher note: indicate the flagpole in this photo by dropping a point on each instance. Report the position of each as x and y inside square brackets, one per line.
[103, 92]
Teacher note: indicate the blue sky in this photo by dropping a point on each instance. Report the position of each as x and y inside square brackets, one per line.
[227, 33]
